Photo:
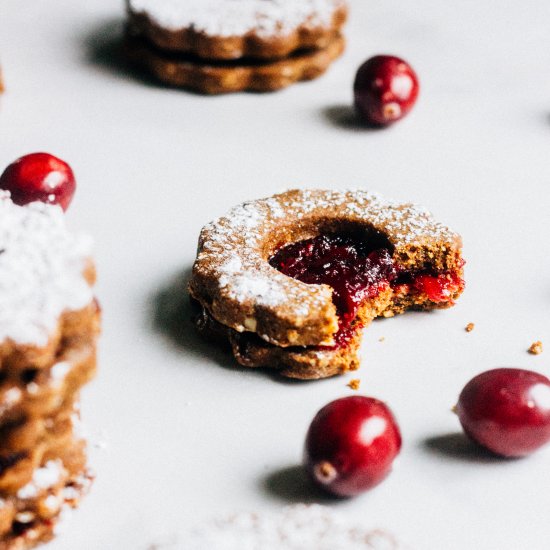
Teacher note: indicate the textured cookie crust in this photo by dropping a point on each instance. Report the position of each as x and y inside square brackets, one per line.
[210, 77]
[234, 282]
[74, 328]
[49, 324]
[39, 393]
[30, 517]
[31, 444]
[311, 363]
[294, 362]
[234, 29]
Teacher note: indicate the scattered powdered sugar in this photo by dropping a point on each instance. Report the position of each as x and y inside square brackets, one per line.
[59, 372]
[10, 398]
[238, 17]
[32, 388]
[52, 503]
[41, 270]
[79, 431]
[230, 248]
[298, 527]
[43, 478]
[62, 520]
[260, 288]
[71, 493]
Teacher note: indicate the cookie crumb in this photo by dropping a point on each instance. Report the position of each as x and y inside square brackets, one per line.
[535, 348]
[354, 384]
[381, 339]
[469, 327]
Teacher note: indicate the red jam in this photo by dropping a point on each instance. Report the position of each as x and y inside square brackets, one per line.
[438, 288]
[356, 270]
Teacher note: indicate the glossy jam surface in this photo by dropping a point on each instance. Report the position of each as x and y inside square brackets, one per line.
[438, 288]
[353, 268]
[507, 411]
[357, 270]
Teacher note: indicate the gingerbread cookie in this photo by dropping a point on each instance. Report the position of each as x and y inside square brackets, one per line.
[219, 46]
[218, 77]
[49, 323]
[236, 29]
[290, 281]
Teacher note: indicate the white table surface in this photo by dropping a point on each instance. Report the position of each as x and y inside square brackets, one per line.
[185, 434]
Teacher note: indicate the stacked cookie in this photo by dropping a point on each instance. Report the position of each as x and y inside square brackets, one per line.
[219, 46]
[49, 322]
[291, 281]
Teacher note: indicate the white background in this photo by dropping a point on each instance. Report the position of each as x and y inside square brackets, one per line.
[188, 435]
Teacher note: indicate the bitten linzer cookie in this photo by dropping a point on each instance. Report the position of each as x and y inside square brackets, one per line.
[49, 323]
[218, 46]
[290, 281]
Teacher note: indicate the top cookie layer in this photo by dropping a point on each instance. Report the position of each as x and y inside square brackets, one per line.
[234, 281]
[42, 271]
[230, 29]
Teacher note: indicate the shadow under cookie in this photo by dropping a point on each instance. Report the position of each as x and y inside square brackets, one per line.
[171, 315]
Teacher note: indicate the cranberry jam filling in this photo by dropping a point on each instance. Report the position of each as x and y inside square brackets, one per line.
[438, 288]
[357, 270]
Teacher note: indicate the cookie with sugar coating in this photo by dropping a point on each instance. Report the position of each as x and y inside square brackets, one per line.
[360, 257]
[236, 29]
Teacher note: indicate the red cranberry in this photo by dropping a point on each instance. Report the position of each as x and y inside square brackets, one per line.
[351, 444]
[506, 411]
[39, 177]
[385, 90]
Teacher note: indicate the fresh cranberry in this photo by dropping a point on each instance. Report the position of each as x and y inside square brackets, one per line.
[507, 411]
[39, 177]
[351, 444]
[355, 269]
[385, 90]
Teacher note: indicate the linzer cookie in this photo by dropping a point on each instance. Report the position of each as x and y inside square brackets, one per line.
[49, 324]
[218, 77]
[290, 281]
[218, 46]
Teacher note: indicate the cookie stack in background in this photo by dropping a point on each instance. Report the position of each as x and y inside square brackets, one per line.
[220, 46]
[49, 323]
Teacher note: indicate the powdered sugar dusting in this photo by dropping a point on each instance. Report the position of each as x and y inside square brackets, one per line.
[299, 527]
[41, 270]
[43, 478]
[230, 245]
[238, 17]
[240, 271]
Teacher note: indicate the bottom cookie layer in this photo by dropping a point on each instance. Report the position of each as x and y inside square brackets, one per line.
[309, 363]
[304, 363]
[211, 77]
